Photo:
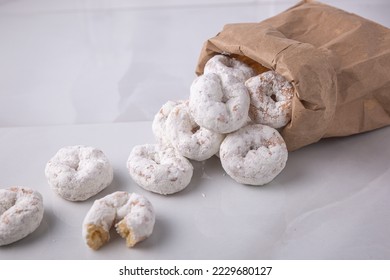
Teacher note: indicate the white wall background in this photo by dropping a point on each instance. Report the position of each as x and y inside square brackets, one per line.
[67, 62]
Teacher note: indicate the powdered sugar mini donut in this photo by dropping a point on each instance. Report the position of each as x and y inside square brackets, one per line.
[78, 172]
[188, 138]
[159, 120]
[271, 97]
[21, 212]
[131, 214]
[220, 109]
[230, 70]
[159, 170]
[253, 155]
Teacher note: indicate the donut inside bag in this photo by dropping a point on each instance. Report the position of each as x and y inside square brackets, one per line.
[336, 66]
[337, 62]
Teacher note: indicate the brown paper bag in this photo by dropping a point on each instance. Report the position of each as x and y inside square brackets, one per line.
[338, 63]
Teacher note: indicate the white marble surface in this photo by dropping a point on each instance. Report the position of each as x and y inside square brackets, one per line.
[330, 202]
[95, 72]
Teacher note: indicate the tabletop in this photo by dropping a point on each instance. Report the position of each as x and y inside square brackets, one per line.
[96, 72]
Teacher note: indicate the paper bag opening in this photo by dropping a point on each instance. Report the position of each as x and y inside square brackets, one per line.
[338, 63]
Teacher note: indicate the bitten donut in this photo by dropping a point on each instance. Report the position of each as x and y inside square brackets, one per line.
[159, 170]
[230, 70]
[131, 214]
[253, 155]
[78, 172]
[21, 212]
[159, 120]
[271, 97]
[220, 109]
[188, 138]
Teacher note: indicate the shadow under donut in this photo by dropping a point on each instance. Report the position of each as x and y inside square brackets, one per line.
[37, 235]
[153, 242]
[160, 233]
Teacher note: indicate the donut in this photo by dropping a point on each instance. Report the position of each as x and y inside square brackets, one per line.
[159, 120]
[21, 212]
[159, 170]
[188, 138]
[254, 154]
[218, 108]
[77, 173]
[131, 214]
[230, 70]
[271, 97]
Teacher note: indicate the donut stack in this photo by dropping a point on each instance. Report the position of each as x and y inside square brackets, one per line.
[231, 112]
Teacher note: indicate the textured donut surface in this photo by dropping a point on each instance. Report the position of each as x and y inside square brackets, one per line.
[271, 98]
[229, 70]
[159, 122]
[21, 212]
[188, 138]
[77, 173]
[222, 109]
[159, 170]
[131, 214]
[253, 155]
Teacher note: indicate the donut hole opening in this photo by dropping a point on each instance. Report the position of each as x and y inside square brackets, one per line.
[273, 97]
[4, 207]
[265, 144]
[195, 129]
[74, 164]
[224, 99]
[253, 147]
[76, 167]
[72, 158]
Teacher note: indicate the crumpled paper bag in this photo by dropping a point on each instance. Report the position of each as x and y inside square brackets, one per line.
[338, 63]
